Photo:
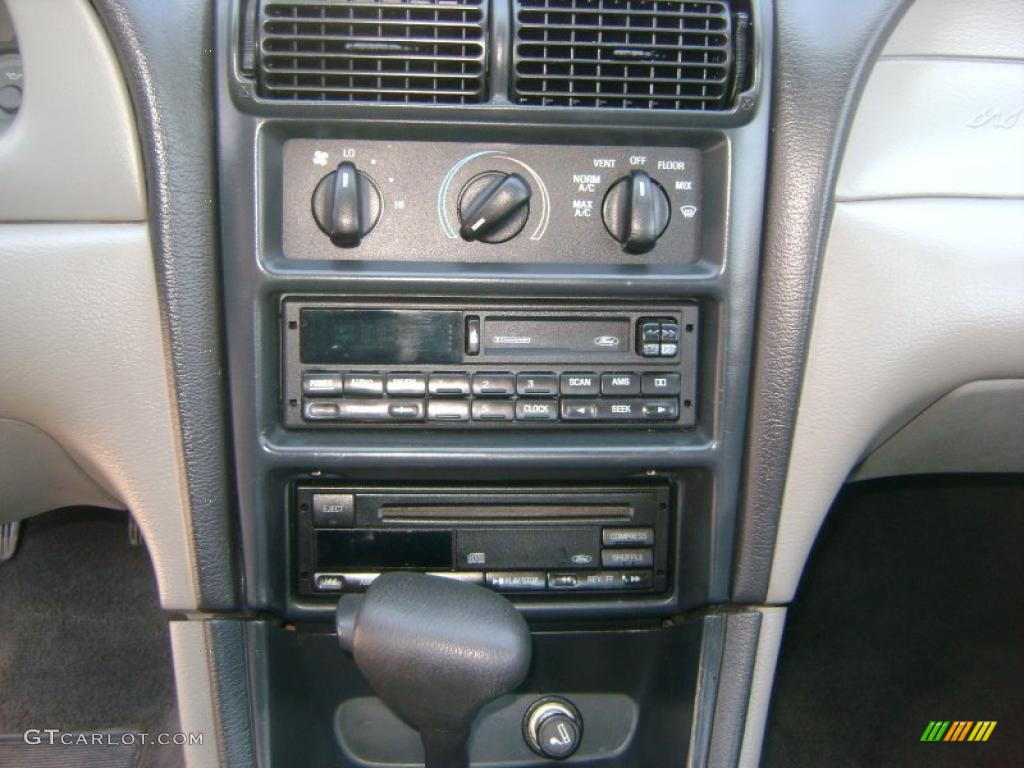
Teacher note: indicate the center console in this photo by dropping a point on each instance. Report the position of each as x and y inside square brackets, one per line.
[491, 320]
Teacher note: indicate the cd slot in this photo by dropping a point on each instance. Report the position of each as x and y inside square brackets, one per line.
[407, 513]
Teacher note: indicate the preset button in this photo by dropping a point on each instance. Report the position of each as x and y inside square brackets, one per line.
[537, 384]
[494, 384]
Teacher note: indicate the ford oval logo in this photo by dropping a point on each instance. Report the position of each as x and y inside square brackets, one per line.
[582, 559]
[607, 341]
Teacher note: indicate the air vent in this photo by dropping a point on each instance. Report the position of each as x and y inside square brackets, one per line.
[631, 54]
[400, 51]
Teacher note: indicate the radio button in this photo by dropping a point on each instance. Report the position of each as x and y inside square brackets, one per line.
[493, 410]
[620, 384]
[328, 582]
[660, 383]
[318, 410]
[651, 350]
[580, 384]
[322, 384]
[579, 410]
[360, 580]
[380, 410]
[614, 580]
[660, 410]
[669, 333]
[406, 410]
[536, 410]
[449, 384]
[470, 577]
[619, 410]
[627, 537]
[334, 510]
[650, 333]
[494, 384]
[516, 581]
[627, 558]
[637, 580]
[563, 580]
[448, 410]
[537, 384]
[406, 384]
[364, 384]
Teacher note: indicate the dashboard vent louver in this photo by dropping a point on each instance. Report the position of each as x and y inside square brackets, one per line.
[630, 54]
[379, 51]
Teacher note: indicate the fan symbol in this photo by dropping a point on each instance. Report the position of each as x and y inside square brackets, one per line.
[320, 158]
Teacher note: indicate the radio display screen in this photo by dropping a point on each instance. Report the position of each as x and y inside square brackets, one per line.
[383, 549]
[344, 336]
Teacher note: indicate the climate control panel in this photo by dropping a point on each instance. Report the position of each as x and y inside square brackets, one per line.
[417, 201]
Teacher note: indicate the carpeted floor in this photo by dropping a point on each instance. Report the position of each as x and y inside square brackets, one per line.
[84, 645]
[910, 610]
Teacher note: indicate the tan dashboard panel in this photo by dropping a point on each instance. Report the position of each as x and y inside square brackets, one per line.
[990, 29]
[937, 127]
[82, 359]
[72, 152]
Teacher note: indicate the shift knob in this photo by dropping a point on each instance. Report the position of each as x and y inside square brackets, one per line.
[435, 650]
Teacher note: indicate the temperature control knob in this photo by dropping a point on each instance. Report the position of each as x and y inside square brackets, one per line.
[494, 207]
[636, 212]
[346, 205]
[552, 728]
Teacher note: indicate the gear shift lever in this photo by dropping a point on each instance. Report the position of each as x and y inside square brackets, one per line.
[435, 650]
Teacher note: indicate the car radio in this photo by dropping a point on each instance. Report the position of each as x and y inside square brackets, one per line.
[351, 365]
[536, 540]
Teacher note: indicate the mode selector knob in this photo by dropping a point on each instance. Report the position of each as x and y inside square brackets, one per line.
[494, 207]
[346, 205]
[636, 212]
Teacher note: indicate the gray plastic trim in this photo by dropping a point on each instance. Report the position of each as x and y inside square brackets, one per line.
[769, 640]
[921, 283]
[37, 475]
[976, 428]
[166, 52]
[82, 359]
[71, 153]
[193, 680]
[984, 28]
[938, 127]
[824, 52]
[917, 298]
[742, 633]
